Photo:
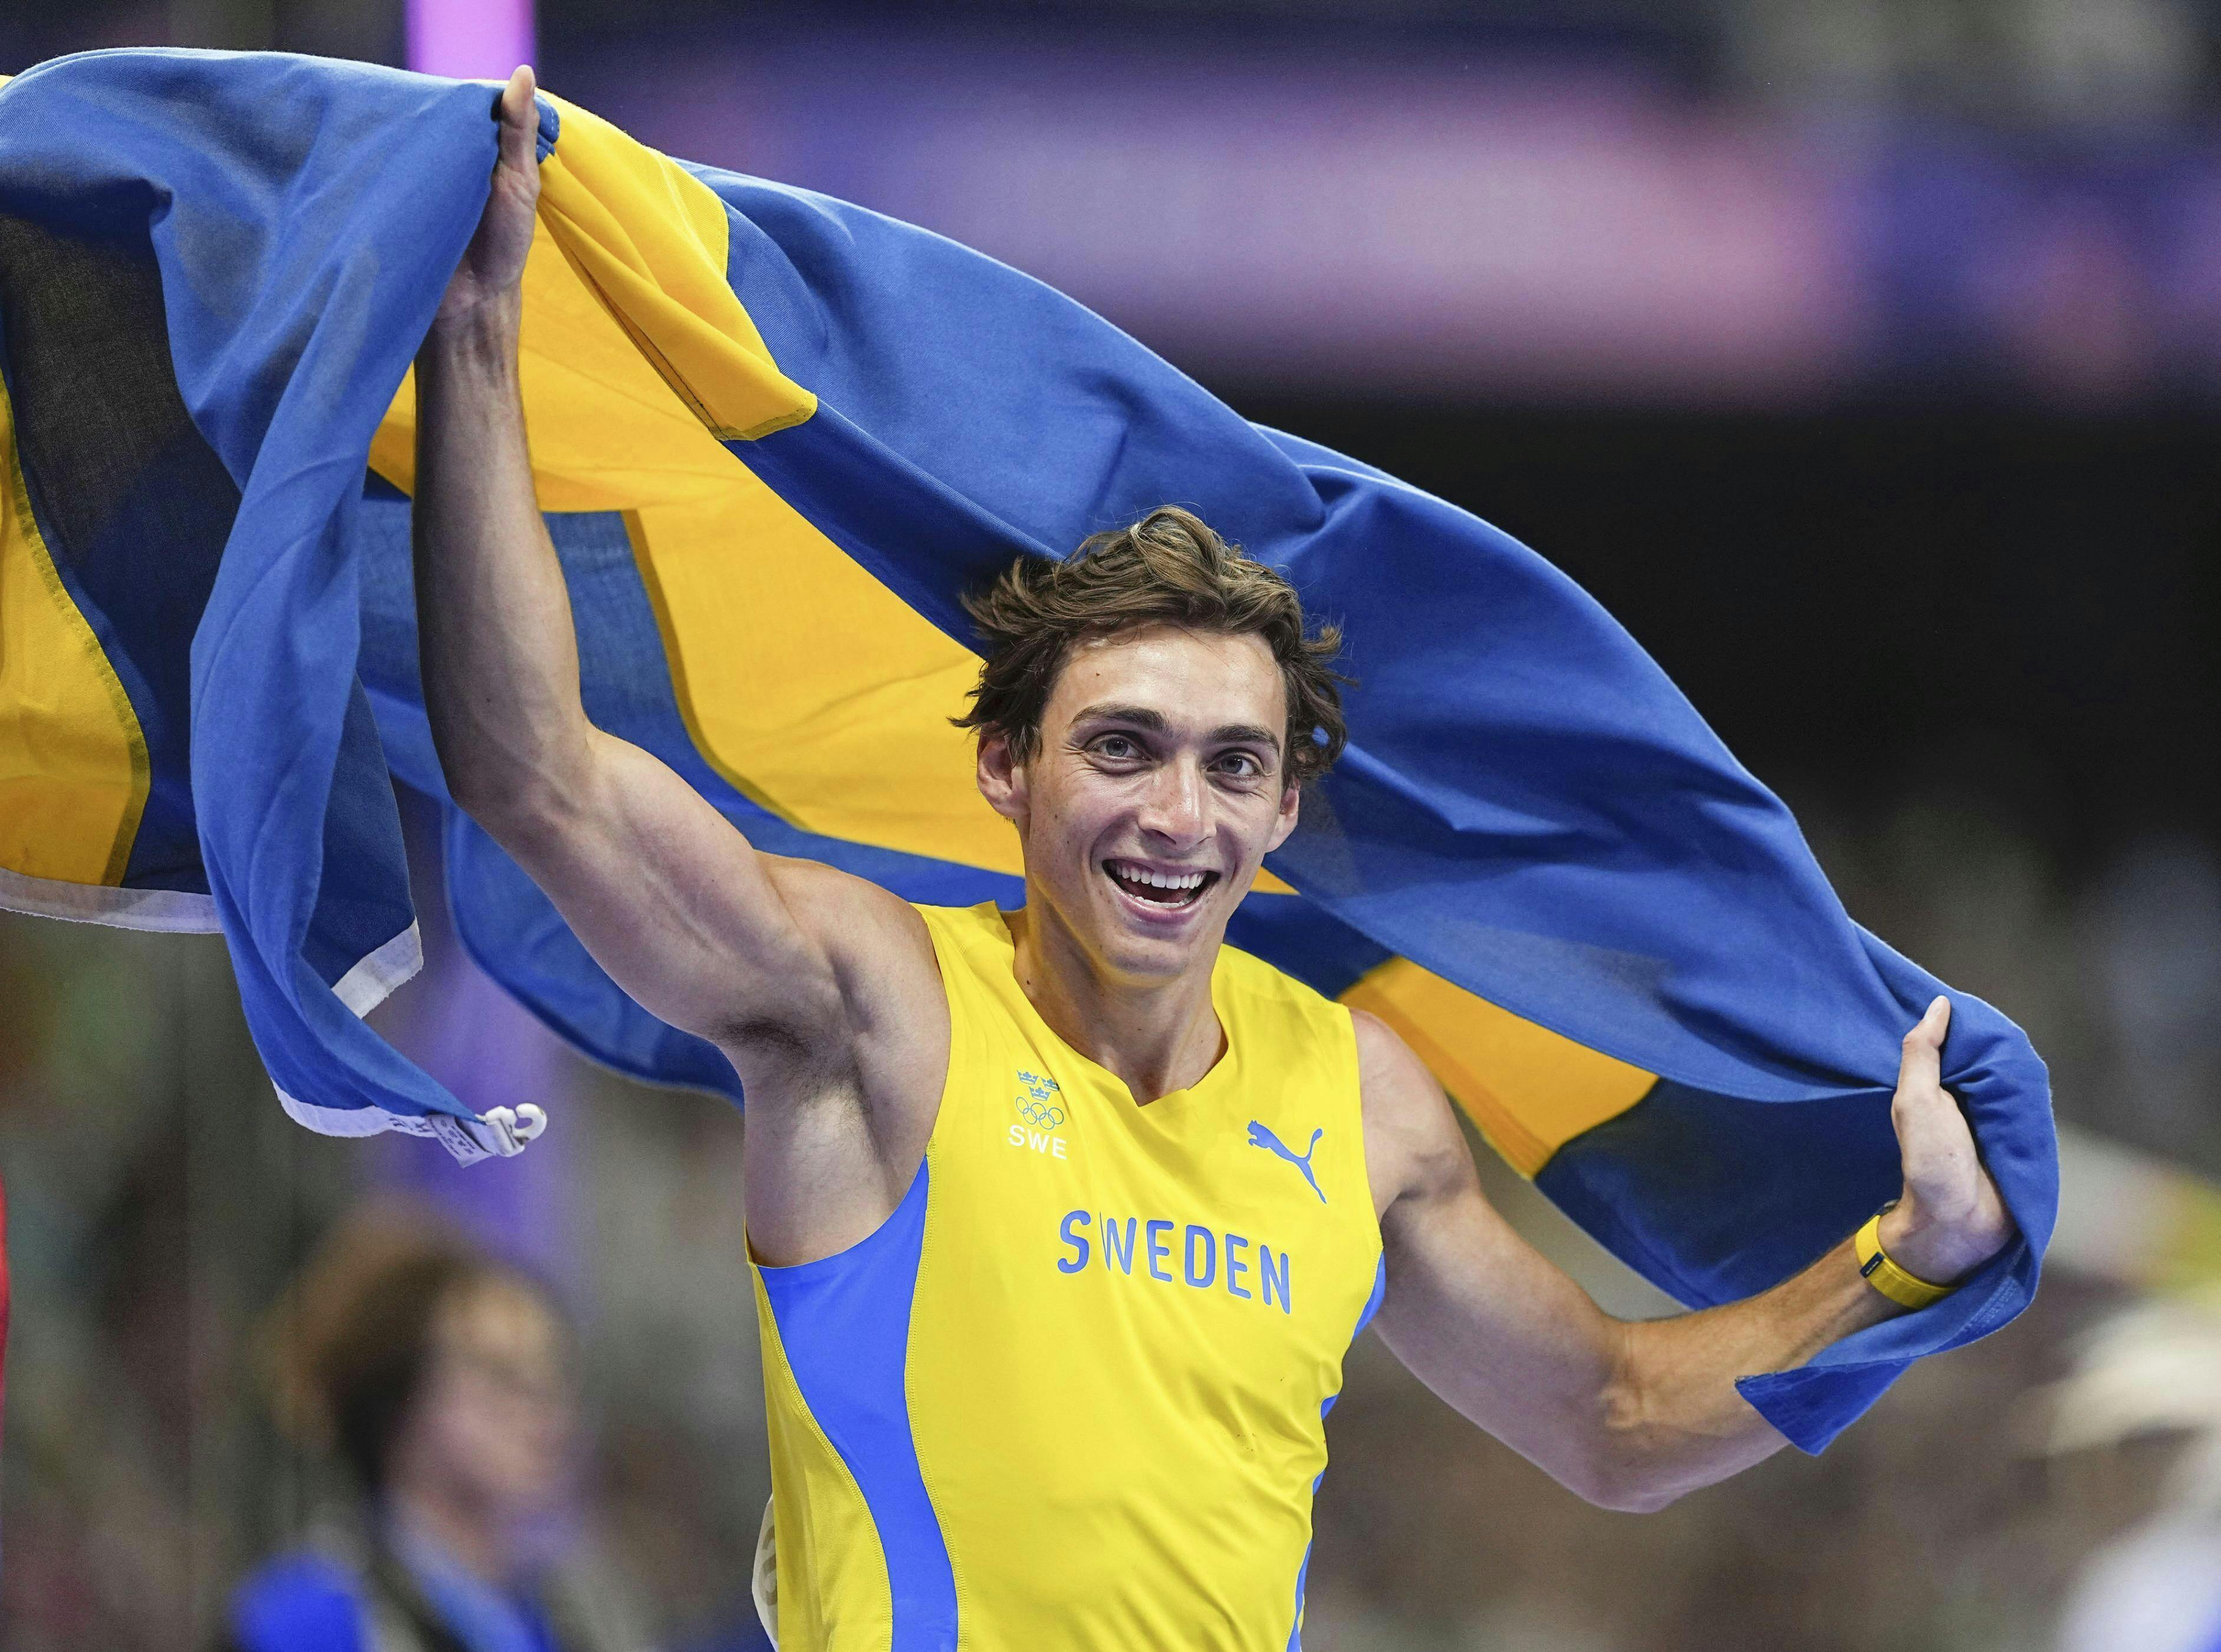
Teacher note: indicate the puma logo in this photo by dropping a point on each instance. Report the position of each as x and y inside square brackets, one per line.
[1261, 1137]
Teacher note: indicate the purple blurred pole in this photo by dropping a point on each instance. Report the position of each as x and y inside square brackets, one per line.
[471, 39]
[488, 1051]
[463, 1030]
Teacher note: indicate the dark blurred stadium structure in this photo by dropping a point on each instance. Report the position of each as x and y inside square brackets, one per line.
[1863, 357]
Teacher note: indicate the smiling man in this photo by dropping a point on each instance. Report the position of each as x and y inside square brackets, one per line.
[1063, 1218]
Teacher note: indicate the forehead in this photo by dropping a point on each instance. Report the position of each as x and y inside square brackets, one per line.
[498, 1316]
[1195, 679]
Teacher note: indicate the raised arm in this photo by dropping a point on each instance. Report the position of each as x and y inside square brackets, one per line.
[682, 911]
[1632, 1415]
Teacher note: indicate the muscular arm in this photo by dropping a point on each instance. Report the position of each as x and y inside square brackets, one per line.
[1630, 1414]
[668, 897]
[762, 954]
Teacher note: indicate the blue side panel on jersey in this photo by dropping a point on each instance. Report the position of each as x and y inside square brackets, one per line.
[1372, 1307]
[844, 1322]
[1674, 1166]
[1365, 1318]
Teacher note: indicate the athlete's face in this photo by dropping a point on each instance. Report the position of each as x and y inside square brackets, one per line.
[1157, 788]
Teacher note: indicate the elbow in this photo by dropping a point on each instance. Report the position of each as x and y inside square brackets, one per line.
[534, 820]
[504, 810]
[1619, 1474]
[1629, 1493]
[1622, 1475]
[1624, 1467]
[519, 808]
[518, 800]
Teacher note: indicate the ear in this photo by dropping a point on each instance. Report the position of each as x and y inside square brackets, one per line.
[1285, 822]
[1002, 779]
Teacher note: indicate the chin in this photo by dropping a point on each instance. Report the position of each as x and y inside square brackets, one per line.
[1134, 955]
[1135, 950]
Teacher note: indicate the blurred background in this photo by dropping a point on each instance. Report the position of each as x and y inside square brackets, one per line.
[1862, 356]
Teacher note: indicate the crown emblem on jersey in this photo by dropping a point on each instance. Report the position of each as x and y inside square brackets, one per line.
[1033, 1106]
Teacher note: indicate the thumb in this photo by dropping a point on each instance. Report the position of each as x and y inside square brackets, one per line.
[1920, 1067]
[519, 124]
[1934, 1143]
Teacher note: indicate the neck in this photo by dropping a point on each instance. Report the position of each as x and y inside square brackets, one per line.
[472, 1538]
[1157, 1036]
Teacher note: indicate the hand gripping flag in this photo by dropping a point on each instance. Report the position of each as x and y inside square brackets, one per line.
[775, 436]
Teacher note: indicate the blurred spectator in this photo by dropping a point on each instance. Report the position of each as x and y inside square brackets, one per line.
[2156, 1590]
[2154, 925]
[2155, 1367]
[438, 1379]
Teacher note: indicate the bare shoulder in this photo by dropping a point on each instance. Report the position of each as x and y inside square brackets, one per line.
[1399, 1094]
[1413, 1146]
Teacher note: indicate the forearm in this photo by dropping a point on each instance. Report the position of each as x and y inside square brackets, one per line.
[500, 661]
[1675, 1419]
[1633, 1415]
[1684, 1424]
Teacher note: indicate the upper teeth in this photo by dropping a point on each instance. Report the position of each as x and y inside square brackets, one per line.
[1161, 879]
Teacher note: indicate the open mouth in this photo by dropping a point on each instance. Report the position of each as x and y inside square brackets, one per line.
[1170, 889]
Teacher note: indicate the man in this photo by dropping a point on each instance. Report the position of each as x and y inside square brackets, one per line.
[1063, 1217]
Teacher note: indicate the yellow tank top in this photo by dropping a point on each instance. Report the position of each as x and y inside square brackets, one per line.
[1072, 1392]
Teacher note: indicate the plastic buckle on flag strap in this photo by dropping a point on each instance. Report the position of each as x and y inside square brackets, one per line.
[513, 1128]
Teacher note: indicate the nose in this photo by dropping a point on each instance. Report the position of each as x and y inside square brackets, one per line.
[1173, 809]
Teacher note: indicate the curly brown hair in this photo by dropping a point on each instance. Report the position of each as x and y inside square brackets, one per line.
[1169, 567]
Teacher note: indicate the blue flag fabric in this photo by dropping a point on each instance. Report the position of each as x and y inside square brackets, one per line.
[776, 436]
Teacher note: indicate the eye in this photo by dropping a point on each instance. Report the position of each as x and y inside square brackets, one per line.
[1250, 768]
[1117, 747]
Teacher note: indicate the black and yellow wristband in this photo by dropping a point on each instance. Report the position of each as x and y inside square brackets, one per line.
[1906, 1290]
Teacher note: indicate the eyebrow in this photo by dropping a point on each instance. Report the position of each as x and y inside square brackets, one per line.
[1141, 717]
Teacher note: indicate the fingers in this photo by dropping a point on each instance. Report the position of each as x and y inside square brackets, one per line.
[1921, 1066]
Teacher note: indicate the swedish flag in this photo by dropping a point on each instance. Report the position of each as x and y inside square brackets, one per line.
[775, 436]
